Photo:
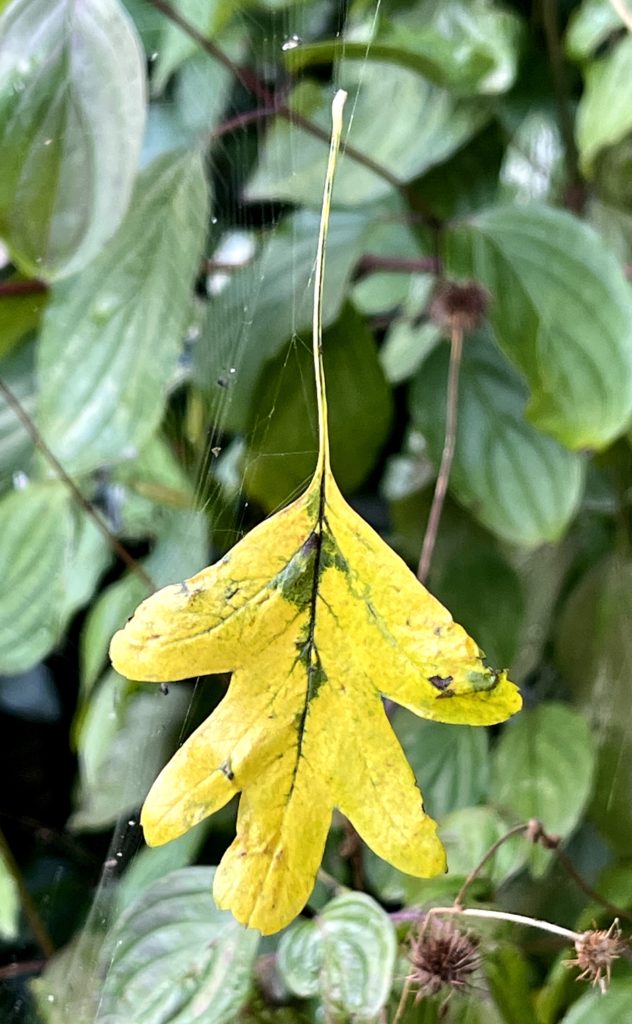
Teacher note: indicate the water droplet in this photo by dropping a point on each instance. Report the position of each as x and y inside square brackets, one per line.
[232, 370]
[103, 309]
[50, 998]
[119, 854]
[20, 480]
[47, 142]
[132, 821]
[214, 220]
[292, 42]
[153, 56]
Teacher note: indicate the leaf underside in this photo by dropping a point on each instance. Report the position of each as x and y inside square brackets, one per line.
[316, 617]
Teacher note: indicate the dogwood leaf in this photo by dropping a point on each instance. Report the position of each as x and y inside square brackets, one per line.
[316, 617]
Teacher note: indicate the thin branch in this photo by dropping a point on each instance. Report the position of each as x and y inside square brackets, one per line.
[623, 11]
[10, 289]
[14, 403]
[9, 971]
[371, 263]
[487, 856]
[505, 915]
[582, 884]
[441, 486]
[403, 999]
[31, 913]
[242, 120]
[267, 98]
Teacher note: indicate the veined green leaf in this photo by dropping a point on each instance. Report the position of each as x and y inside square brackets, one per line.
[517, 481]
[72, 110]
[430, 125]
[174, 958]
[268, 302]
[467, 47]
[562, 311]
[543, 768]
[112, 334]
[347, 956]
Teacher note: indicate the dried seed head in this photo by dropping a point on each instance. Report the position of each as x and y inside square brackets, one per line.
[596, 951]
[442, 957]
[459, 305]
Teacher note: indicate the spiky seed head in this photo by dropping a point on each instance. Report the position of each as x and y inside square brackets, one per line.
[596, 951]
[442, 957]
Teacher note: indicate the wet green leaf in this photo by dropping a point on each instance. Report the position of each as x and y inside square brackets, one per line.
[112, 335]
[72, 110]
[174, 957]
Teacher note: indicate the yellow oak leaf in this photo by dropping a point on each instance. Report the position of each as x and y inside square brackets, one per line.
[317, 619]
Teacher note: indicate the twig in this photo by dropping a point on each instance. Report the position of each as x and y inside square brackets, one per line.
[487, 856]
[14, 403]
[623, 11]
[23, 967]
[243, 120]
[441, 486]
[31, 913]
[370, 263]
[10, 289]
[505, 915]
[267, 98]
[401, 1006]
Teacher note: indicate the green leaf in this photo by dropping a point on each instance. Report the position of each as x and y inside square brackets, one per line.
[174, 957]
[360, 408]
[152, 864]
[562, 311]
[36, 530]
[492, 610]
[112, 335]
[430, 125]
[174, 46]
[268, 302]
[347, 956]
[9, 903]
[68, 989]
[613, 1007]
[16, 446]
[469, 48]
[507, 973]
[594, 651]
[469, 832]
[451, 761]
[543, 768]
[202, 91]
[533, 165]
[111, 608]
[72, 110]
[518, 482]
[181, 546]
[589, 26]
[405, 348]
[19, 315]
[124, 739]
[604, 114]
